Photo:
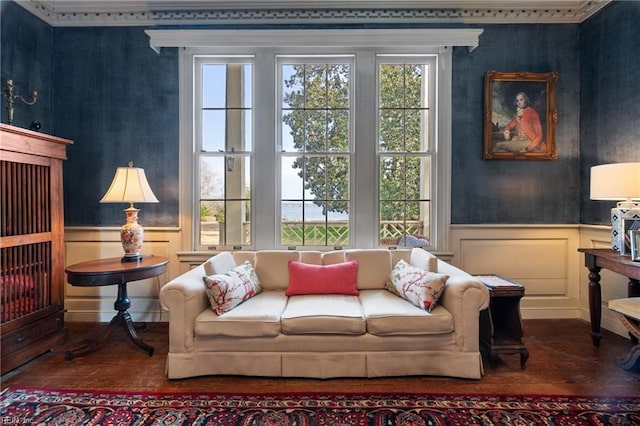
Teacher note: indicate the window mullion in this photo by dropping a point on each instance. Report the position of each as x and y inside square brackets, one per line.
[266, 183]
[365, 171]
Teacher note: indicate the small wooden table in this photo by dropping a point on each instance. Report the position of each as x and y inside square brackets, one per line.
[113, 271]
[501, 330]
[597, 259]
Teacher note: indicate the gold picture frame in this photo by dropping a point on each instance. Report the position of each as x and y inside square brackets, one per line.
[520, 116]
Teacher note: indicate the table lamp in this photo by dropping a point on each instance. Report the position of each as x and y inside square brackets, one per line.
[130, 185]
[619, 181]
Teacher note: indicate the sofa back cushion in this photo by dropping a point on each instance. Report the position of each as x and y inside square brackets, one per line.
[340, 278]
[423, 259]
[374, 267]
[332, 257]
[244, 256]
[272, 267]
[311, 257]
[220, 263]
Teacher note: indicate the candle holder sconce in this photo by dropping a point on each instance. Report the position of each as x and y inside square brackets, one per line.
[9, 90]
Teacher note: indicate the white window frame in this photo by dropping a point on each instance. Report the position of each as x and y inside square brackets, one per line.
[302, 59]
[265, 45]
[432, 150]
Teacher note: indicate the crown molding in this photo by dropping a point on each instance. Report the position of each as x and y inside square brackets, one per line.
[73, 13]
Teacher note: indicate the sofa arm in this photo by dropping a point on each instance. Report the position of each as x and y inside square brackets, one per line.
[184, 297]
[464, 297]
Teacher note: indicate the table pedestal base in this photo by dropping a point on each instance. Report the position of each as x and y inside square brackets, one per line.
[122, 319]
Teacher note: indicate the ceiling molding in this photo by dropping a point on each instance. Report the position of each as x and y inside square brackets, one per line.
[73, 13]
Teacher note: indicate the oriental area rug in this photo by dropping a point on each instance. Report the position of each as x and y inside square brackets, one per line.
[79, 407]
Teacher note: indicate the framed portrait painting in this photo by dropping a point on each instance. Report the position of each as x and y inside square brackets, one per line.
[520, 116]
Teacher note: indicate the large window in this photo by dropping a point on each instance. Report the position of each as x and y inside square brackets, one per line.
[330, 139]
[406, 137]
[223, 147]
[315, 145]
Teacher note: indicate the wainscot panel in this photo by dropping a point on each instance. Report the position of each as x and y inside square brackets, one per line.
[543, 258]
[96, 304]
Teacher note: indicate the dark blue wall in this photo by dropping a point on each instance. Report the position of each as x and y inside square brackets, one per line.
[501, 191]
[26, 59]
[118, 100]
[610, 83]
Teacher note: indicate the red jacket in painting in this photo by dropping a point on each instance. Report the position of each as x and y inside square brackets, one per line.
[527, 125]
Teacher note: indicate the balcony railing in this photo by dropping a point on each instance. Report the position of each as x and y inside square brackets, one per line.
[315, 233]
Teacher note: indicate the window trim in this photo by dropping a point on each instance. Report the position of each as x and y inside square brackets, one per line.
[265, 45]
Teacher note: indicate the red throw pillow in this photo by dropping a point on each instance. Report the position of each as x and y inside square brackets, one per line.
[305, 278]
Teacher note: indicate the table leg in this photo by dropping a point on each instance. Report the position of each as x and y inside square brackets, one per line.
[595, 304]
[127, 324]
[121, 319]
[124, 318]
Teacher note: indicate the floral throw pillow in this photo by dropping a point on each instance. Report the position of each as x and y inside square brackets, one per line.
[228, 290]
[418, 286]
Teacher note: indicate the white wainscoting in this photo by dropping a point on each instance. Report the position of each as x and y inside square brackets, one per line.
[544, 258]
[96, 303]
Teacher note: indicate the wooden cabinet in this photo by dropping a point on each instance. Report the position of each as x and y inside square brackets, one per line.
[31, 244]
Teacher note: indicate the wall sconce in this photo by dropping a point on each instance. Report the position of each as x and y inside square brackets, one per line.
[11, 96]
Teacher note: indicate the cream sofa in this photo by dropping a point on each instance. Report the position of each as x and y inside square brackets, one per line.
[376, 333]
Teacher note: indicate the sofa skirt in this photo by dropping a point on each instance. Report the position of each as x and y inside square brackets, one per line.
[324, 365]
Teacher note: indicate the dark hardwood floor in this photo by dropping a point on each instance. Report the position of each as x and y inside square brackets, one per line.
[562, 362]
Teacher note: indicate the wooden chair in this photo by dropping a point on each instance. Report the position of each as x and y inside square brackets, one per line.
[628, 311]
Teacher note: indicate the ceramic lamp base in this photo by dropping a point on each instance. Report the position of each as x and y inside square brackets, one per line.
[625, 217]
[132, 236]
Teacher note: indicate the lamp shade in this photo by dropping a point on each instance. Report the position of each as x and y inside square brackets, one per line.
[129, 185]
[619, 181]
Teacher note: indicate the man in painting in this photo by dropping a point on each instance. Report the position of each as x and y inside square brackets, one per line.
[524, 131]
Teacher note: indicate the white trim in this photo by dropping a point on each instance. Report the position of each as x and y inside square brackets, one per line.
[230, 40]
[365, 44]
[74, 13]
[442, 191]
[187, 154]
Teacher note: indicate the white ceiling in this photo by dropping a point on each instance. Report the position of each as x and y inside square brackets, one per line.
[207, 12]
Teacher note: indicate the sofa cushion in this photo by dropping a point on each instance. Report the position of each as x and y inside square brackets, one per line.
[323, 314]
[340, 278]
[228, 290]
[272, 266]
[423, 259]
[418, 286]
[374, 267]
[391, 315]
[220, 263]
[332, 257]
[257, 317]
[310, 256]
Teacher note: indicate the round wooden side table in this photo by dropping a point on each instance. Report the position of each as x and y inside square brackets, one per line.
[113, 271]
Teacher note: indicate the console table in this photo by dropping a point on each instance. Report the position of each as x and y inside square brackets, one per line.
[113, 271]
[596, 260]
